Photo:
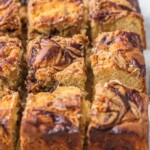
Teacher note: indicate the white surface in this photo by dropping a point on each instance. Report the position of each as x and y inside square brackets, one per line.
[147, 60]
[145, 8]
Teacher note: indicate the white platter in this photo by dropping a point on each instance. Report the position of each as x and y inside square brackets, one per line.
[145, 8]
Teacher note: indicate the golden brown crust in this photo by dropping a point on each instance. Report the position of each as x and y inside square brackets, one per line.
[65, 19]
[9, 20]
[50, 58]
[111, 15]
[119, 49]
[117, 113]
[9, 101]
[52, 120]
[74, 74]
[10, 62]
[126, 45]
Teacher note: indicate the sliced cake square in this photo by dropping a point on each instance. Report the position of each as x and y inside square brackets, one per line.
[119, 56]
[54, 120]
[9, 109]
[118, 119]
[111, 15]
[56, 61]
[9, 20]
[10, 62]
[56, 17]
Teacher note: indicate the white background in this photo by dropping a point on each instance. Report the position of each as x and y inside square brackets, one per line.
[145, 8]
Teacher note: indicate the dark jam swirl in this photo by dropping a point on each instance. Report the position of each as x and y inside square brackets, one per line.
[131, 41]
[113, 109]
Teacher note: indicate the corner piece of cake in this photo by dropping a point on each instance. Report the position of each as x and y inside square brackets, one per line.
[119, 56]
[111, 15]
[9, 108]
[118, 119]
[9, 20]
[56, 61]
[54, 120]
[10, 62]
[56, 17]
